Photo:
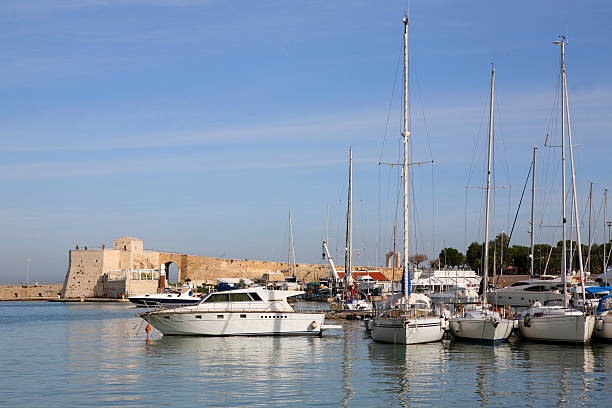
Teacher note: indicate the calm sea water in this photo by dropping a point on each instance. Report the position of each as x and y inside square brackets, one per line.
[56, 354]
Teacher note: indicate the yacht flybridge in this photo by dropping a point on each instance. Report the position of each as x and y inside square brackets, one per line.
[242, 312]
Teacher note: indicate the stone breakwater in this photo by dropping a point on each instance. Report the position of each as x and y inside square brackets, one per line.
[30, 292]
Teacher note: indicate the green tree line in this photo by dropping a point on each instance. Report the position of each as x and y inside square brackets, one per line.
[516, 257]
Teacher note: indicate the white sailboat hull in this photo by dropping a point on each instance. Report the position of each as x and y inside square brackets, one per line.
[481, 330]
[558, 328]
[237, 323]
[407, 331]
[603, 327]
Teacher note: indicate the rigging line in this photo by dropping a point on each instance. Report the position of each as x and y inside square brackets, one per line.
[519, 205]
[476, 145]
[397, 65]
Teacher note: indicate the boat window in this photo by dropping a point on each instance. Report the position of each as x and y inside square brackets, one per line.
[255, 296]
[239, 297]
[243, 316]
[219, 316]
[515, 284]
[537, 288]
[198, 316]
[217, 297]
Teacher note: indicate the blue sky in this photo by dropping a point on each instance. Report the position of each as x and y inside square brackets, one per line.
[196, 125]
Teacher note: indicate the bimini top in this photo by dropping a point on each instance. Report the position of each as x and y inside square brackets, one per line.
[597, 289]
[605, 304]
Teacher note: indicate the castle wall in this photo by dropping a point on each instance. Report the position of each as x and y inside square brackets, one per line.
[85, 271]
[88, 267]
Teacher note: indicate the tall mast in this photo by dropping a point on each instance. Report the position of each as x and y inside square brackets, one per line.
[348, 256]
[406, 135]
[291, 248]
[489, 157]
[533, 176]
[605, 262]
[563, 219]
[588, 261]
[574, 191]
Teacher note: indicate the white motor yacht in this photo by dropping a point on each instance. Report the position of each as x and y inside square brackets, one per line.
[526, 292]
[603, 319]
[242, 312]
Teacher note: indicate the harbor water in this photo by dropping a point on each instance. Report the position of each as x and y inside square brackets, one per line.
[62, 355]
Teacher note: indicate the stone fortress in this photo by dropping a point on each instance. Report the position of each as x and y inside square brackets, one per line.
[127, 269]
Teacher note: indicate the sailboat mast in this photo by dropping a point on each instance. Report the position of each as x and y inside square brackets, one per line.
[574, 191]
[490, 154]
[348, 256]
[563, 219]
[291, 248]
[605, 262]
[533, 176]
[588, 261]
[406, 135]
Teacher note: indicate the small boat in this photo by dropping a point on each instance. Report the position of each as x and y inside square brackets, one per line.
[556, 324]
[242, 312]
[408, 319]
[603, 318]
[482, 324]
[171, 298]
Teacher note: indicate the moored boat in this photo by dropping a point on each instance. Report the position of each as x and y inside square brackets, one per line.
[242, 312]
[603, 319]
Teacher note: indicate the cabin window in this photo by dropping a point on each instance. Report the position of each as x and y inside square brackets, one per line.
[166, 317]
[519, 284]
[243, 316]
[537, 288]
[198, 316]
[255, 296]
[219, 316]
[239, 297]
[217, 297]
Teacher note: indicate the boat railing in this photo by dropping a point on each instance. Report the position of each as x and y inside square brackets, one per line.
[229, 307]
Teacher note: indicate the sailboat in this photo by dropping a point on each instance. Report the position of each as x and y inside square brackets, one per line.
[407, 319]
[483, 323]
[350, 300]
[561, 323]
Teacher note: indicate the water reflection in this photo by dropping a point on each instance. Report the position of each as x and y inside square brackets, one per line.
[90, 355]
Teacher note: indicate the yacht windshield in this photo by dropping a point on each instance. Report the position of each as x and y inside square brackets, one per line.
[217, 297]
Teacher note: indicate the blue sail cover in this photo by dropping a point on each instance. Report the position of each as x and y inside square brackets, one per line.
[404, 282]
[605, 304]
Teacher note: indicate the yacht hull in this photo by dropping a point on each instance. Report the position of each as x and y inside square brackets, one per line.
[236, 323]
[563, 328]
[481, 330]
[407, 331]
[603, 328]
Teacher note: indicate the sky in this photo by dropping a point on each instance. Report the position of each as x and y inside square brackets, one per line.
[196, 125]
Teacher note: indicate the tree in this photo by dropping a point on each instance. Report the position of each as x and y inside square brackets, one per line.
[451, 257]
[417, 258]
[474, 256]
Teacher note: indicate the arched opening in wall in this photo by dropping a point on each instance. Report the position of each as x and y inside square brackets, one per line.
[172, 273]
